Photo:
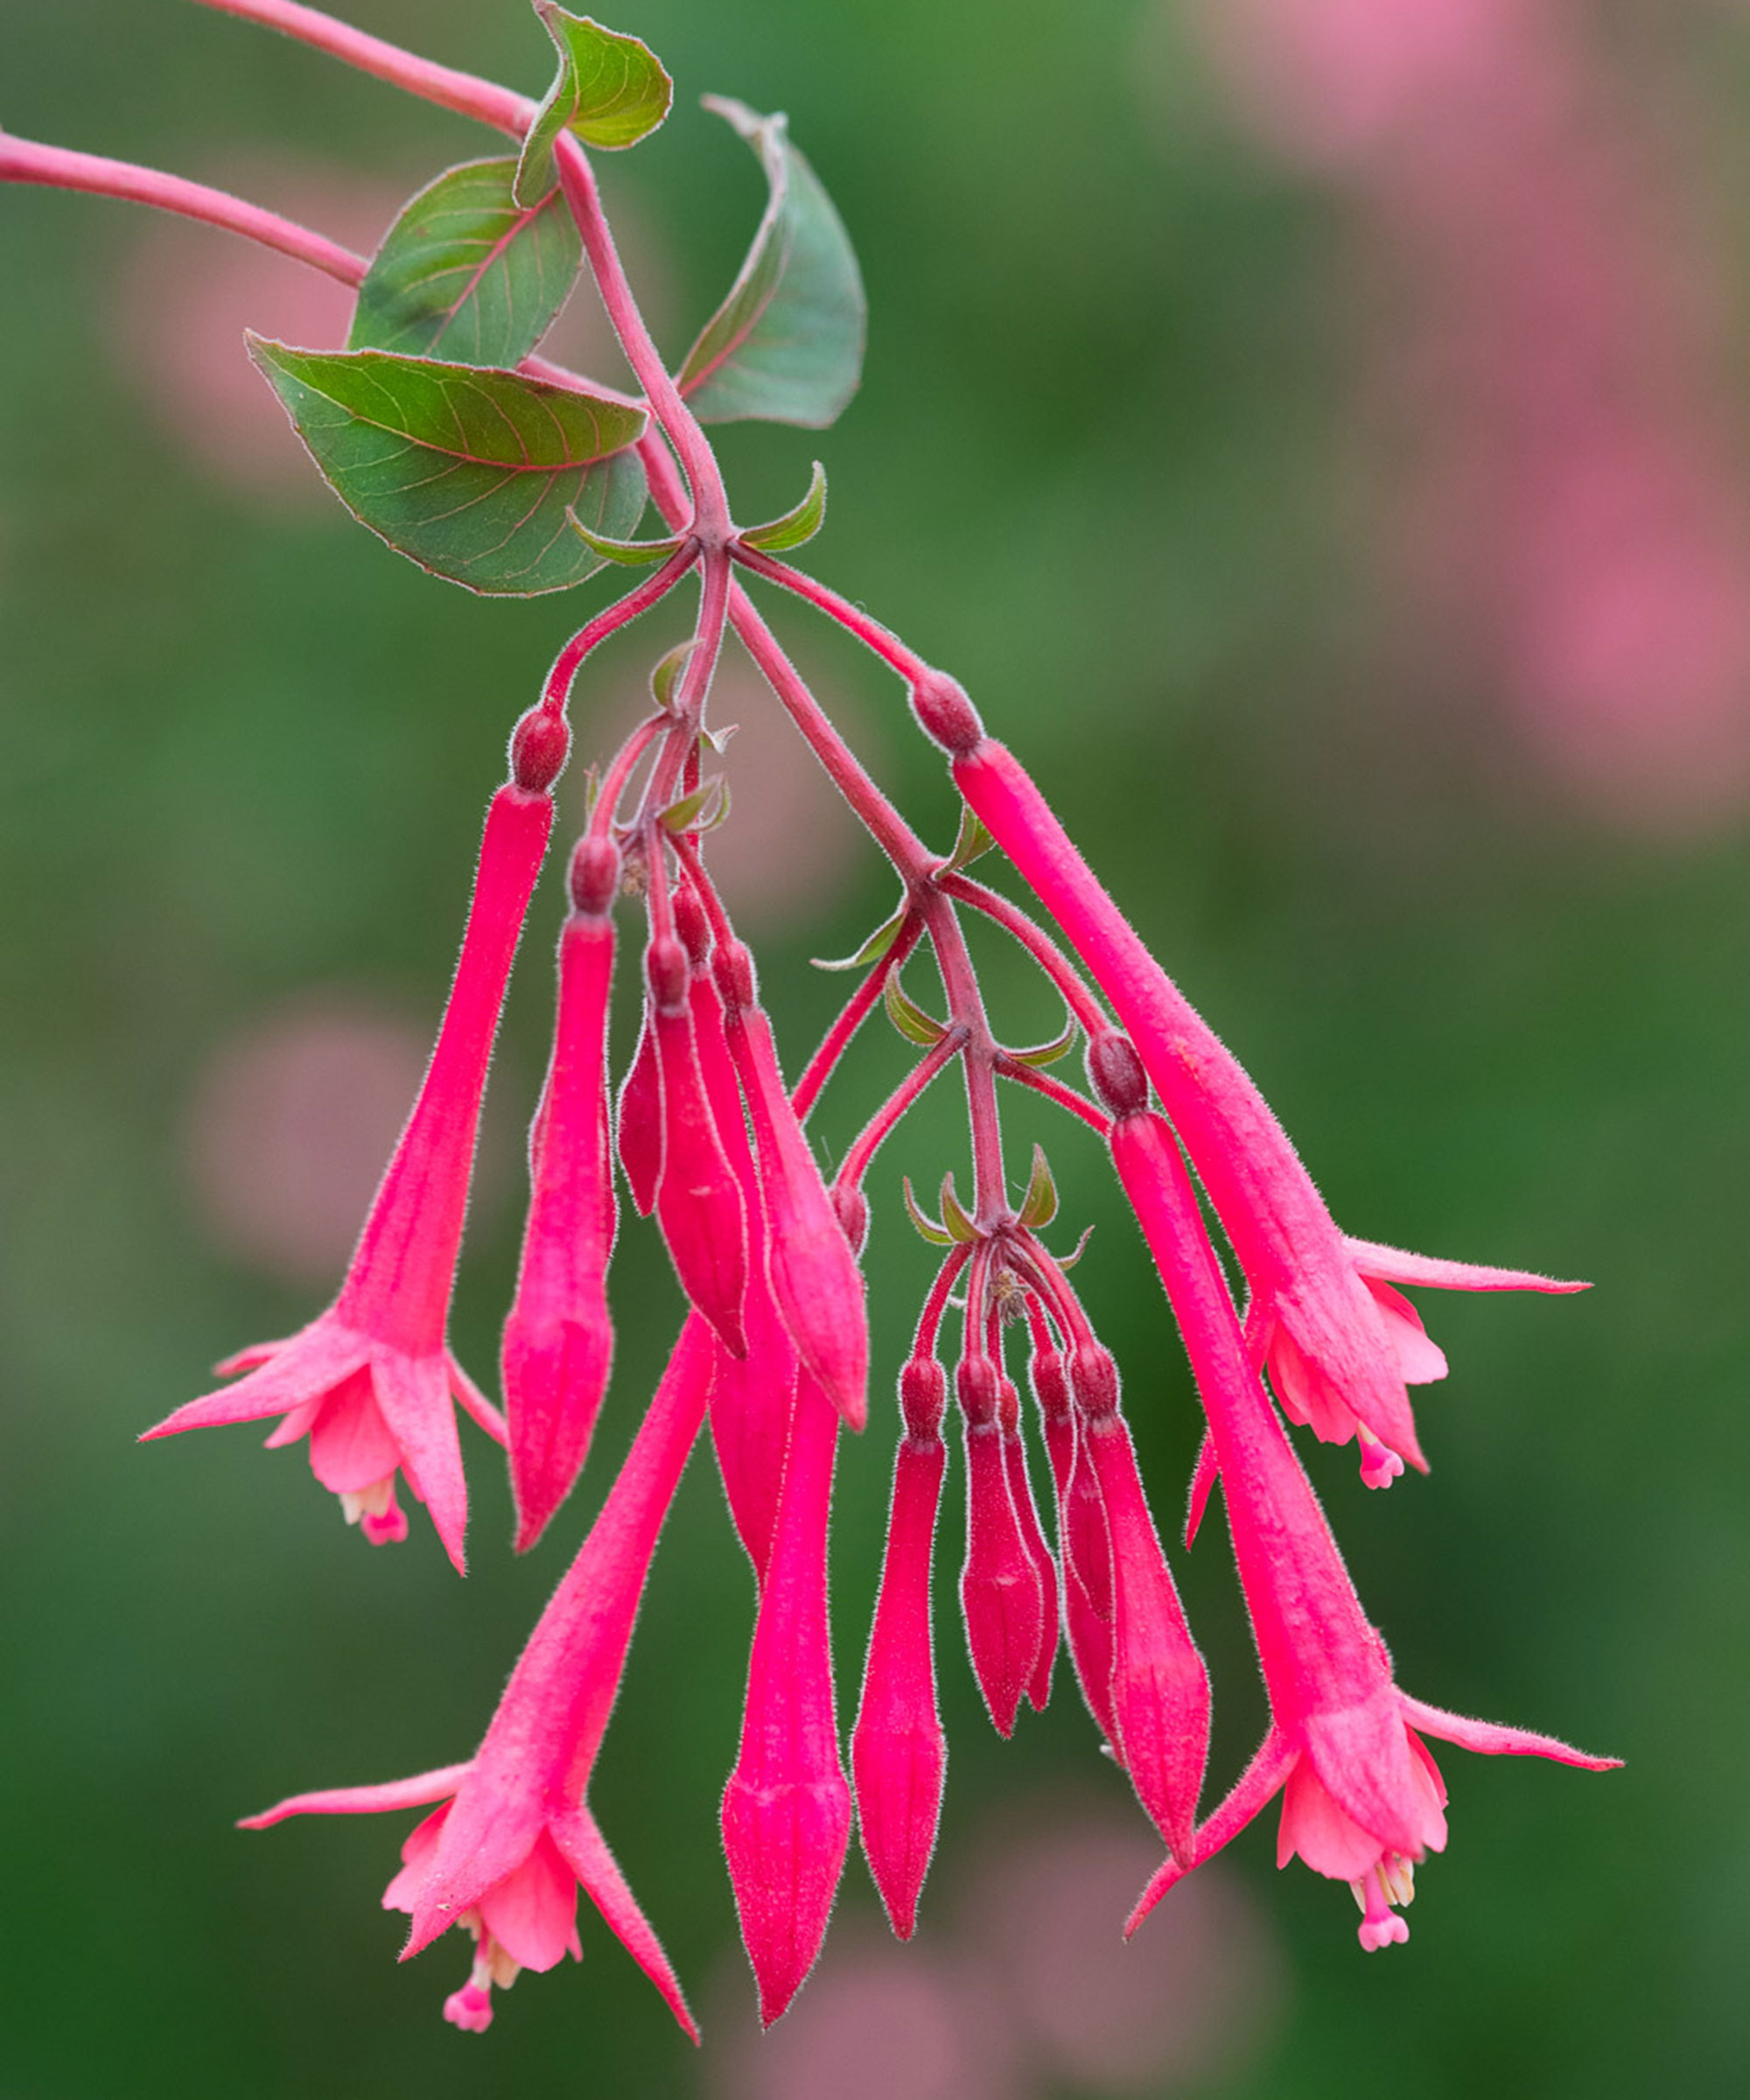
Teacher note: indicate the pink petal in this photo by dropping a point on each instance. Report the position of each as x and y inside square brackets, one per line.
[308, 1365]
[1393, 1264]
[414, 1395]
[417, 1855]
[533, 1912]
[474, 1402]
[639, 1123]
[585, 1852]
[1000, 1595]
[1491, 1741]
[1362, 1755]
[1251, 1794]
[350, 1447]
[698, 1201]
[1420, 1361]
[364, 1801]
[1026, 1516]
[1204, 1476]
[251, 1359]
[490, 1831]
[1314, 1827]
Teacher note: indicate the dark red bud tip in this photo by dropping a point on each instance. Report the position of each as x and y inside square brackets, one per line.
[1116, 1074]
[1009, 1407]
[1050, 1383]
[850, 1206]
[945, 714]
[594, 875]
[975, 1383]
[923, 1397]
[539, 746]
[665, 971]
[692, 926]
[1094, 1378]
[733, 969]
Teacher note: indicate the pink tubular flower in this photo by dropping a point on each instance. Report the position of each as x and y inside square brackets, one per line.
[1341, 1344]
[898, 1753]
[1083, 1537]
[814, 1279]
[1000, 1593]
[504, 1854]
[787, 1807]
[1362, 1799]
[559, 1340]
[370, 1382]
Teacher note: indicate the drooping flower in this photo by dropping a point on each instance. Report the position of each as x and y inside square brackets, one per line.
[505, 1853]
[370, 1382]
[1341, 1345]
[1364, 1802]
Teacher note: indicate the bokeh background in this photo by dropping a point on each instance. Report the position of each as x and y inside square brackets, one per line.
[1316, 430]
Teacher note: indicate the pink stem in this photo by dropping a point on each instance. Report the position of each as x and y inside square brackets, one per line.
[882, 1125]
[23, 160]
[613, 782]
[929, 1321]
[1054, 1090]
[558, 690]
[886, 644]
[463, 92]
[837, 1039]
[1078, 994]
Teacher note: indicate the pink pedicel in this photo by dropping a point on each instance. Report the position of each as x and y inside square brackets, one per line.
[1363, 1801]
[1032, 1540]
[698, 1202]
[751, 1395]
[1339, 1356]
[899, 1751]
[787, 1807]
[1159, 1686]
[814, 1274]
[1084, 1542]
[504, 1854]
[371, 1382]
[1001, 1597]
[558, 1341]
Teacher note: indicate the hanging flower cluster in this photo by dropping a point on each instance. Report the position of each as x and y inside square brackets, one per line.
[513, 476]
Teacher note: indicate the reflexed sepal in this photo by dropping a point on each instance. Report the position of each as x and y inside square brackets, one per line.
[959, 1226]
[873, 948]
[908, 1016]
[973, 844]
[796, 526]
[630, 554]
[1040, 1206]
[937, 1235]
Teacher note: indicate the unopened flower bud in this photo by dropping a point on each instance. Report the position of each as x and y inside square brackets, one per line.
[1093, 1379]
[692, 926]
[977, 1389]
[1116, 1073]
[736, 983]
[594, 875]
[539, 746]
[850, 1206]
[923, 1396]
[665, 971]
[945, 714]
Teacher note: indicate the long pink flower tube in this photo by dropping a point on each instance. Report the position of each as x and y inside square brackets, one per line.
[370, 1382]
[787, 1807]
[505, 1854]
[559, 1340]
[1001, 1596]
[1339, 1356]
[1364, 1801]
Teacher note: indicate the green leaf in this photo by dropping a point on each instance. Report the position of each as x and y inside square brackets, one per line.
[796, 526]
[787, 344]
[973, 844]
[907, 1017]
[467, 273]
[959, 1226]
[665, 679]
[937, 1235]
[683, 815]
[630, 554]
[1039, 1054]
[611, 90]
[1039, 1207]
[468, 472]
[873, 948]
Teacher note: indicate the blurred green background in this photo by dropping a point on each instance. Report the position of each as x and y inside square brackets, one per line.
[1113, 462]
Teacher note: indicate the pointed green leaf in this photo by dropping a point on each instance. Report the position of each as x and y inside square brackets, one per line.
[683, 815]
[611, 90]
[1040, 1054]
[719, 812]
[1039, 1207]
[666, 677]
[959, 1226]
[796, 526]
[873, 948]
[787, 344]
[630, 554]
[973, 844]
[467, 273]
[936, 1234]
[469, 472]
[909, 1018]
[1068, 1261]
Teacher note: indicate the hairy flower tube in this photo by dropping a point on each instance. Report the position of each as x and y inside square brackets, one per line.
[511, 476]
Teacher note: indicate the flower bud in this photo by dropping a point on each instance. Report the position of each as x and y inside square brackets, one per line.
[1094, 1380]
[698, 1203]
[594, 875]
[945, 714]
[923, 1397]
[850, 1207]
[1116, 1073]
[639, 1123]
[1033, 1539]
[1000, 1593]
[539, 746]
[736, 980]
[692, 926]
[665, 971]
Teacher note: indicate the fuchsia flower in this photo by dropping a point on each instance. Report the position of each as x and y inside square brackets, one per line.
[1363, 1801]
[504, 1854]
[370, 1382]
[1341, 1343]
